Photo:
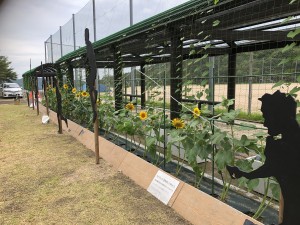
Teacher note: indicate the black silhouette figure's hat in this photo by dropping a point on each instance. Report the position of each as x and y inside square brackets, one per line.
[280, 104]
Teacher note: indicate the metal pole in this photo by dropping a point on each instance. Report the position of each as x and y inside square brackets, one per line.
[94, 20]
[61, 48]
[165, 133]
[211, 81]
[250, 83]
[95, 39]
[45, 45]
[132, 75]
[31, 81]
[74, 37]
[74, 43]
[131, 12]
[51, 48]
[231, 74]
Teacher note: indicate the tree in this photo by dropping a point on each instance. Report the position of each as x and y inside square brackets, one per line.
[6, 72]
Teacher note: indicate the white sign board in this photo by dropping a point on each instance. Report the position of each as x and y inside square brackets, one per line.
[163, 186]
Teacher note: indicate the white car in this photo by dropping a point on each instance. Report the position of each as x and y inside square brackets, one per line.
[10, 90]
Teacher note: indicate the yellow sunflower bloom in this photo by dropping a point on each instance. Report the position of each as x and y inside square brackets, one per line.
[84, 94]
[66, 86]
[178, 123]
[196, 112]
[77, 95]
[143, 115]
[129, 106]
[74, 90]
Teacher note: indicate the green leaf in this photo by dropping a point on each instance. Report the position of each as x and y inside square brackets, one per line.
[242, 182]
[230, 116]
[191, 155]
[216, 2]
[207, 46]
[251, 184]
[244, 164]
[192, 52]
[216, 23]
[178, 139]
[287, 19]
[294, 90]
[246, 126]
[205, 151]
[298, 79]
[294, 33]
[204, 83]
[150, 141]
[217, 137]
[288, 47]
[199, 94]
[275, 189]
[227, 102]
[169, 152]
[279, 83]
[284, 61]
[223, 158]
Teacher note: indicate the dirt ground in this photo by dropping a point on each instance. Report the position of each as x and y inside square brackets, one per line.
[47, 178]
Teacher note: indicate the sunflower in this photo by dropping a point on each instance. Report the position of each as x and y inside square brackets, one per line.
[196, 112]
[74, 90]
[84, 94]
[66, 86]
[143, 115]
[77, 95]
[178, 123]
[129, 106]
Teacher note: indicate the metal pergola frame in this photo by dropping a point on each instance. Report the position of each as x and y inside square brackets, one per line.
[245, 25]
[49, 73]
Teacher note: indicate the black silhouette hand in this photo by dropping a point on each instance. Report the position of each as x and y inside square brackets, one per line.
[234, 172]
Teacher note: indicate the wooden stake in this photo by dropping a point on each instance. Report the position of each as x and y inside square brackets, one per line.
[96, 133]
[59, 125]
[281, 208]
[37, 97]
[32, 98]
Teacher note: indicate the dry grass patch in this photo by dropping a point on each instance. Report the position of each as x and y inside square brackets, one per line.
[47, 178]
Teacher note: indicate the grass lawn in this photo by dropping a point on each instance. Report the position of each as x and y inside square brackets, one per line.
[47, 178]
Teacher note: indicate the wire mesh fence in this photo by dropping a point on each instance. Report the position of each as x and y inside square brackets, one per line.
[217, 59]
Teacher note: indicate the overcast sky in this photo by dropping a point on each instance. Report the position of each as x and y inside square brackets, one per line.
[26, 24]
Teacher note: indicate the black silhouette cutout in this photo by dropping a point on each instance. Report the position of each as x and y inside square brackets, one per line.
[58, 105]
[282, 155]
[90, 79]
[248, 222]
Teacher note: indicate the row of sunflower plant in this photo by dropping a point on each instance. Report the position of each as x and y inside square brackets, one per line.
[199, 137]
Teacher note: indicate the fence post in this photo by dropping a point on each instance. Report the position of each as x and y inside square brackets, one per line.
[250, 82]
[45, 46]
[118, 78]
[94, 20]
[60, 38]
[143, 90]
[231, 74]
[51, 48]
[74, 32]
[176, 74]
[211, 81]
